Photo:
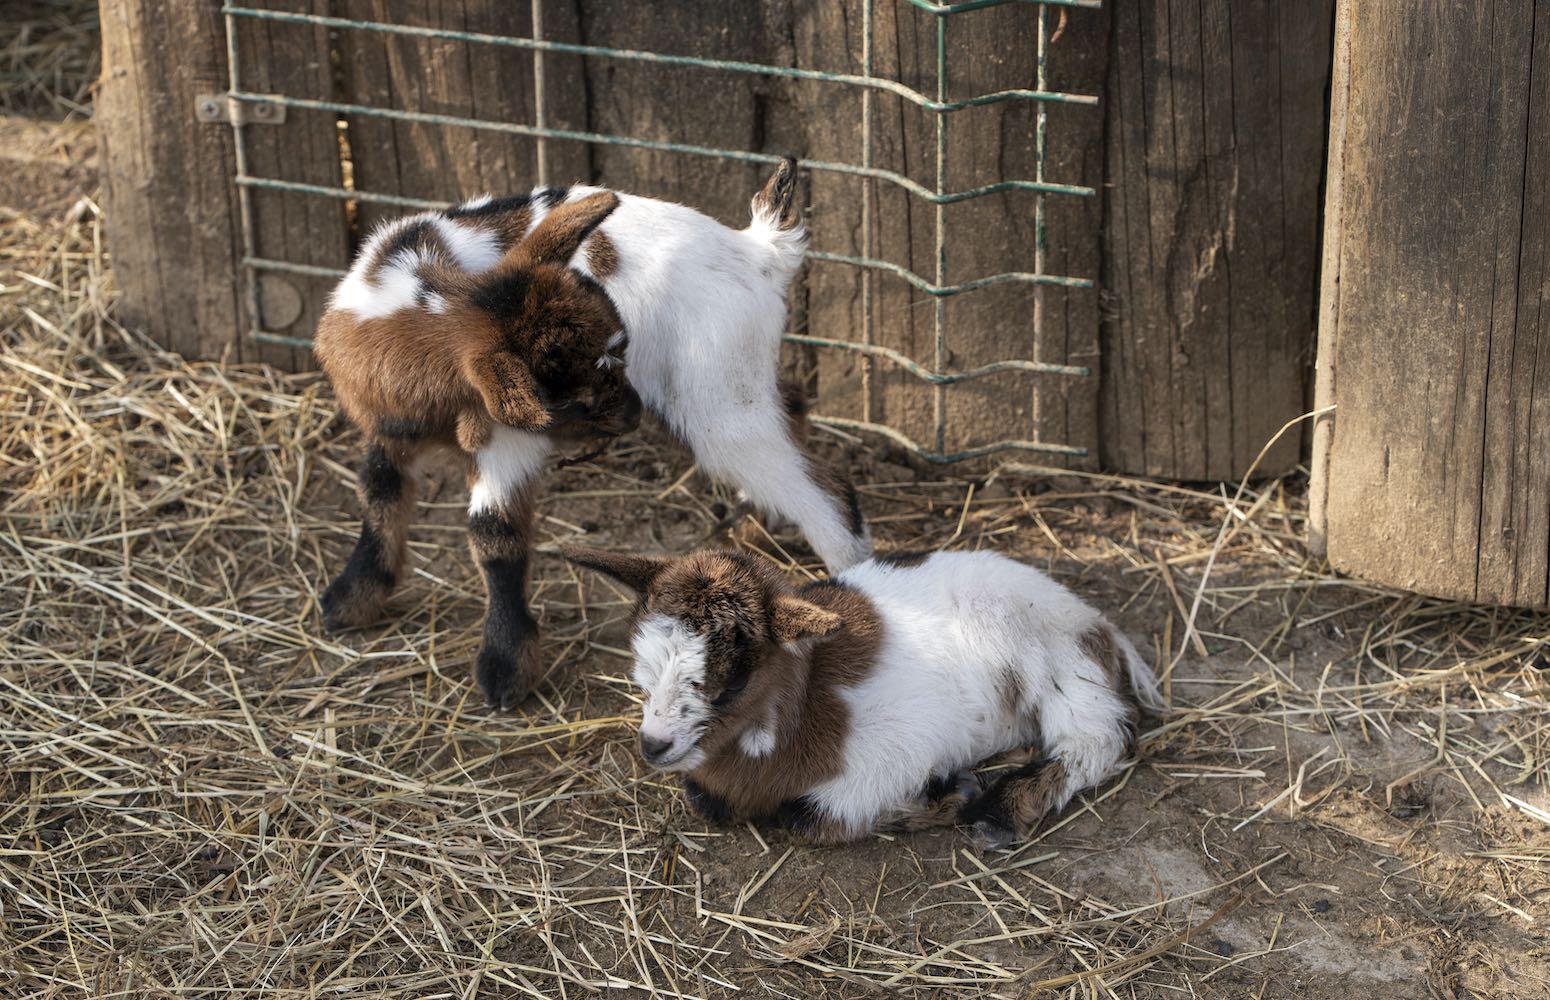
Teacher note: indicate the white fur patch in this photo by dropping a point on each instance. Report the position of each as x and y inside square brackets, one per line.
[670, 669]
[475, 249]
[757, 742]
[512, 459]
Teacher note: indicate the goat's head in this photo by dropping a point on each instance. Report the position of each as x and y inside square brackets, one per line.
[714, 634]
[560, 325]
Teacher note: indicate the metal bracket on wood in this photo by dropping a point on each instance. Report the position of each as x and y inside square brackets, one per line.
[222, 107]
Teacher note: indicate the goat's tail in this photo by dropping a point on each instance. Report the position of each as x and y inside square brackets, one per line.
[777, 218]
[1143, 679]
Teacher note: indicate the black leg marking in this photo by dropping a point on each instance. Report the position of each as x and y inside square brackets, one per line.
[508, 660]
[355, 597]
[712, 807]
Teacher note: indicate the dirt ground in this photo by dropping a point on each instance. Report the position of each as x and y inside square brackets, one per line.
[201, 795]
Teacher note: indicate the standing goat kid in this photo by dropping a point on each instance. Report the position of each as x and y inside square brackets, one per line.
[863, 701]
[703, 307]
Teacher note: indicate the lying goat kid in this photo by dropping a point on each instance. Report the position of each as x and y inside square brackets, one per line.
[861, 702]
[704, 308]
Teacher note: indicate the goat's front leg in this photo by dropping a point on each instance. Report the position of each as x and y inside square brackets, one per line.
[386, 490]
[500, 534]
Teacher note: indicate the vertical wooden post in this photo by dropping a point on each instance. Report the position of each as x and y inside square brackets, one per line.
[1434, 470]
[1215, 143]
[171, 210]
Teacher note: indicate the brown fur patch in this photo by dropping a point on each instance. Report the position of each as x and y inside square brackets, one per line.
[1028, 797]
[1009, 690]
[797, 695]
[933, 812]
[602, 256]
[1098, 644]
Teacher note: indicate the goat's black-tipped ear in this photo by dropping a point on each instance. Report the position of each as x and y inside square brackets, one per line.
[557, 238]
[792, 618]
[635, 572]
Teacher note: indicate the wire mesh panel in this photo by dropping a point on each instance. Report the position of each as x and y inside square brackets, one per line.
[425, 114]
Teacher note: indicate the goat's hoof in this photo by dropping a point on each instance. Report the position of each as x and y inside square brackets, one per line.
[969, 787]
[990, 836]
[346, 605]
[506, 675]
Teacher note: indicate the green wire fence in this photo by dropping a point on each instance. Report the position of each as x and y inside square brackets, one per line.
[937, 373]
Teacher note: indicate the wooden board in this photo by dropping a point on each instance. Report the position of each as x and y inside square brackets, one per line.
[1215, 131]
[990, 50]
[280, 58]
[463, 79]
[1437, 343]
[170, 208]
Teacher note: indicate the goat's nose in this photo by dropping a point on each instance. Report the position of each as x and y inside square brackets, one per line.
[651, 748]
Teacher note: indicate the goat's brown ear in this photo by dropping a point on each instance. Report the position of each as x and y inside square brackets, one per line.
[508, 389]
[792, 618]
[635, 572]
[560, 234]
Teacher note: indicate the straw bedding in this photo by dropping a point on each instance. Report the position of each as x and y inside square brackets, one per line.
[202, 796]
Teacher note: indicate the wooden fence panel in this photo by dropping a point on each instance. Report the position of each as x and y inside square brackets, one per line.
[464, 79]
[1433, 473]
[279, 58]
[1215, 142]
[171, 210]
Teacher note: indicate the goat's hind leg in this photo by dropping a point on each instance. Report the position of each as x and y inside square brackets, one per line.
[1085, 728]
[778, 476]
[940, 804]
[1011, 808]
[386, 491]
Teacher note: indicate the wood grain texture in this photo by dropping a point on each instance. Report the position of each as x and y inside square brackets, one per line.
[1214, 145]
[278, 58]
[442, 76]
[1436, 472]
[170, 208]
[989, 50]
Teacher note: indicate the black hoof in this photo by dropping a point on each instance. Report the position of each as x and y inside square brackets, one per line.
[346, 605]
[506, 676]
[989, 836]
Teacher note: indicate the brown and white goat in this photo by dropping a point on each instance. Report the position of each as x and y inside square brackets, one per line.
[862, 702]
[525, 347]
[704, 309]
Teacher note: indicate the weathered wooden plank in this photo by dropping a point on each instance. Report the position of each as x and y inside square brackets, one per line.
[279, 58]
[171, 210]
[989, 50]
[1435, 472]
[1214, 138]
[464, 79]
[680, 104]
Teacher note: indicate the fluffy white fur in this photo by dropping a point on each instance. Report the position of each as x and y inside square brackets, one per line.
[932, 704]
[669, 668]
[704, 307]
[511, 459]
